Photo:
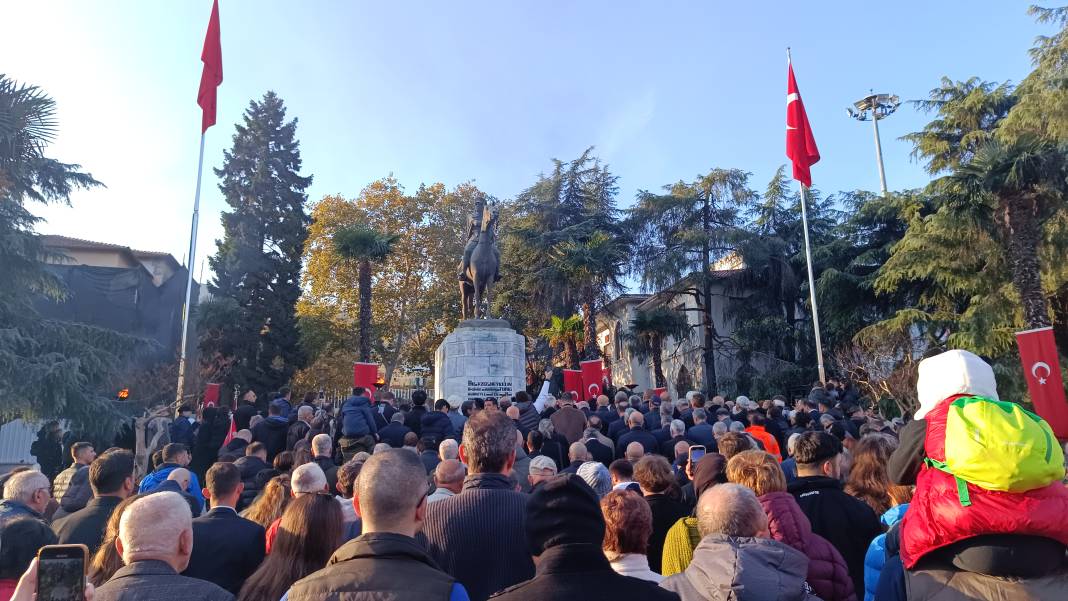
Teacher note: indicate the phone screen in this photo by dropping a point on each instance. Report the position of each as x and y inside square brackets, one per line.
[61, 573]
[696, 454]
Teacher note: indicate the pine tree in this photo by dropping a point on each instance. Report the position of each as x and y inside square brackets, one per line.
[257, 265]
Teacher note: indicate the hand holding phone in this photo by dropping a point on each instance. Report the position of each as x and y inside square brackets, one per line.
[696, 453]
[61, 571]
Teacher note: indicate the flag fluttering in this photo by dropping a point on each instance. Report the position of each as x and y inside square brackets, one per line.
[212, 75]
[800, 144]
[1042, 370]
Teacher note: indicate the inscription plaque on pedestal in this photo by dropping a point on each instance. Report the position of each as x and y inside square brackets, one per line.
[481, 358]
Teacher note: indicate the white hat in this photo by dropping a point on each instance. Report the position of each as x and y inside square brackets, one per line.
[952, 373]
[542, 463]
[455, 401]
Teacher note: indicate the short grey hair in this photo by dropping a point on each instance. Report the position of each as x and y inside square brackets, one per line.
[152, 525]
[489, 441]
[667, 408]
[392, 504]
[596, 475]
[792, 442]
[635, 399]
[545, 426]
[398, 418]
[305, 411]
[381, 448]
[719, 428]
[449, 449]
[700, 414]
[577, 452]
[621, 396]
[321, 444]
[449, 471]
[737, 427]
[22, 485]
[731, 510]
[678, 428]
[308, 478]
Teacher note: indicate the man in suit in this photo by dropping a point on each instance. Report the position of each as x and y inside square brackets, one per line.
[111, 477]
[701, 433]
[322, 453]
[677, 430]
[597, 449]
[227, 548]
[155, 541]
[617, 427]
[637, 433]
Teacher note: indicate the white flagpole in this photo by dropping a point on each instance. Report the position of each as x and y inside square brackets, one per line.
[189, 280]
[812, 285]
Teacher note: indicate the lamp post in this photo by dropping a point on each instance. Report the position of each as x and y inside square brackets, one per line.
[876, 107]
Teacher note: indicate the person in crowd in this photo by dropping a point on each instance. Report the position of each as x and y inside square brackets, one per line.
[71, 487]
[283, 402]
[48, 449]
[358, 427]
[227, 548]
[284, 463]
[272, 431]
[569, 421]
[733, 443]
[789, 465]
[577, 455]
[477, 535]
[411, 443]
[307, 479]
[435, 425]
[210, 436]
[541, 469]
[597, 449]
[530, 410]
[702, 433]
[175, 455]
[513, 414]
[394, 432]
[255, 419]
[662, 428]
[636, 433]
[271, 503]
[596, 475]
[555, 444]
[450, 449]
[299, 429]
[537, 446]
[634, 452]
[346, 487]
[107, 560]
[245, 410]
[521, 465]
[20, 538]
[448, 479]
[322, 448]
[683, 536]
[565, 531]
[757, 429]
[455, 416]
[848, 523]
[827, 571]
[237, 444]
[156, 540]
[414, 419]
[255, 472]
[428, 453]
[382, 447]
[309, 533]
[618, 426]
[875, 558]
[676, 434]
[628, 525]
[178, 482]
[385, 561]
[183, 429]
[622, 473]
[26, 494]
[657, 481]
[111, 478]
[736, 555]
[868, 480]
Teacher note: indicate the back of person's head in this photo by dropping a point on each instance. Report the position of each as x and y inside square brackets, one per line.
[634, 451]
[698, 400]
[79, 450]
[449, 449]
[563, 510]
[577, 452]
[802, 419]
[419, 398]
[813, 449]
[628, 524]
[157, 526]
[535, 439]
[346, 477]
[173, 452]
[732, 443]
[274, 409]
[449, 471]
[654, 474]
[380, 448]
[322, 445]
[391, 487]
[441, 405]
[621, 470]
[24, 486]
[157, 459]
[868, 479]
[636, 419]
[700, 416]
[719, 429]
[512, 412]
[411, 439]
[305, 413]
[270, 503]
[283, 461]
[677, 427]
[308, 478]
[258, 449]
[284, 392]
[182, 476]
[110, 470]
[757, 470]
[737, 427]
[107, 560]
[731, 510]
[20, 539]
[791, 443]
[596, 475]
[398, 418]
[222, 481]
[756, 418]
[488, 443]
[682, 447]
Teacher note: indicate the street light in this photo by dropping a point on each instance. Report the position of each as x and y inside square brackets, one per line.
[876, 107]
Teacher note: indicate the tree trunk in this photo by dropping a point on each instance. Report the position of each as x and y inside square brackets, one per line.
[365, 311]
[1023, 239]
[589, 323]
[571, 348]
[658, 365]
[708, 353]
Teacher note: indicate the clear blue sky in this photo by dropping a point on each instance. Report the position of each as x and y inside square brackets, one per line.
[486, 91]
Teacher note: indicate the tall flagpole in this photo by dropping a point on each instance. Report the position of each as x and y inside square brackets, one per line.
[189, 279]
[812, 285]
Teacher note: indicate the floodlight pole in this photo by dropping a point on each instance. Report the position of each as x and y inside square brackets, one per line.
[878, 150]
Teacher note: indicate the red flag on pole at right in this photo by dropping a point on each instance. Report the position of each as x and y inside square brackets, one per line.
[800, 144]
[212, 75]
[1042, 369]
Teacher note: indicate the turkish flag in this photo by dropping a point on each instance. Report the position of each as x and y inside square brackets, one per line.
[800, 145]
[365, 374]
[573, 382]
[230, 433]
[211, 395]
[1038, 355]
[211, 76]
[591, 378]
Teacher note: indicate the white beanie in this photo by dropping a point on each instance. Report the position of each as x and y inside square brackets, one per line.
[455, 401]
[952, 373]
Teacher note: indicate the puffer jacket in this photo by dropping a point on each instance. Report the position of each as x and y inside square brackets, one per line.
[72, 488]
[875, 558]
[357, 419]
[249, 466]
[742, 569]
[827, 571]
[436, 425]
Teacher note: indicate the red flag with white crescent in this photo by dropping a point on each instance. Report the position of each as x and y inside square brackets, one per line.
[800, 144]
[573, 382]
[592, 375]
[1042, 369]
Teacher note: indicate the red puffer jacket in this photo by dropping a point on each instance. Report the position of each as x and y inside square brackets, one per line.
[827, 571]
[936, 517]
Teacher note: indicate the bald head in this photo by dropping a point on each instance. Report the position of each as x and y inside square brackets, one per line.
[512, 412]
[681, 448]
[636, 419]
[245, 435]
[399, 507]
[731, 510]
[181, 476]
[578, 452]
[157, 527]
[634, 452]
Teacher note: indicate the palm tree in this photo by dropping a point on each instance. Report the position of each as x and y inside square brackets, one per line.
[566, 332]
[364, 245]
[648, 332]
[1014, 187]
[593, 267]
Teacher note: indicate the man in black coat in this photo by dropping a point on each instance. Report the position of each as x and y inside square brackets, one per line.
[245, 410]
[227, 548]
[322, 447]
[597, 450]
[253, 463]
[564, 530]
[847, 522]
[677, 431]
[414, 419]
[272, 431]
[637, 433]
[111, 477]
[393, 434]
[617, 427]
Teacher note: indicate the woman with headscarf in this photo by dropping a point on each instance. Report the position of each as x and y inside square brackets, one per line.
[683, 537]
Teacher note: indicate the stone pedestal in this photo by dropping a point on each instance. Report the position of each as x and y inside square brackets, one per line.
[481, 358]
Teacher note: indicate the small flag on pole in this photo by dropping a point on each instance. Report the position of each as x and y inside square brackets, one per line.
[212, 75]
[800, 145]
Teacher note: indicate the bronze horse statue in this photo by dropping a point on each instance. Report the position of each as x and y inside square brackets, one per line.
[482, 271]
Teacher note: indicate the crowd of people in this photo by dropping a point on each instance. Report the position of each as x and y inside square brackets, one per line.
[628, 496]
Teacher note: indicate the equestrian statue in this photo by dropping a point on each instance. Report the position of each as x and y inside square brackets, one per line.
[480, 266]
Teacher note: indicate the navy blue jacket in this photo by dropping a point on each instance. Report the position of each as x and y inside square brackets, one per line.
[357, 419]
[646, 438]
[702, 434]
[436, 425]
[394, 434]
[182, 431]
